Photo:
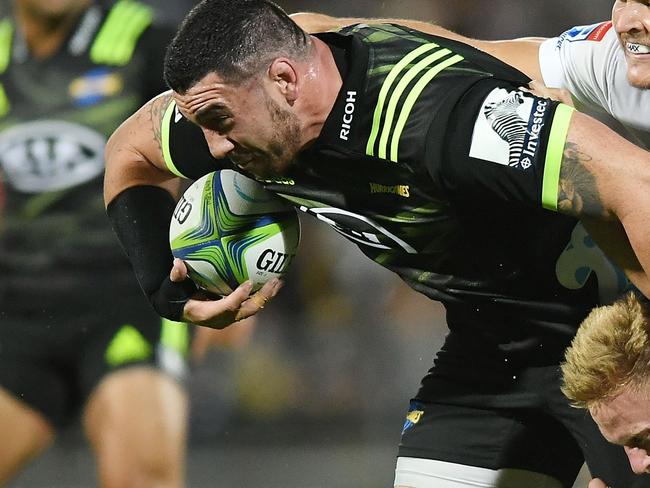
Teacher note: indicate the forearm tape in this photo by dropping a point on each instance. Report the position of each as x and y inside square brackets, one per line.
[140, 217]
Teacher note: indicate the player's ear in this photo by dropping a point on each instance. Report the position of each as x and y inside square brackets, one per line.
[284, 75]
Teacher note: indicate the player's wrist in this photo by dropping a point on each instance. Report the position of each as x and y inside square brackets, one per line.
[140, 217]
[170, 298]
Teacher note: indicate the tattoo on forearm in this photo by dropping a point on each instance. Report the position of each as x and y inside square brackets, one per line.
[578, 194]
[157, 110]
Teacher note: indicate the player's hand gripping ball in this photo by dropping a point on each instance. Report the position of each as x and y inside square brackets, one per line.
[229, 229]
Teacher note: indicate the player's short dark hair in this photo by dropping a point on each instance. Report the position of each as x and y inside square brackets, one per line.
[233, 38]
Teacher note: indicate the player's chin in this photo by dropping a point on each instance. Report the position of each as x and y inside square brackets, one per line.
[638, 74]
[269, 170]
[259, 171]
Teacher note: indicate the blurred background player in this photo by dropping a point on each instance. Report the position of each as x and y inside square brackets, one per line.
[74, 332]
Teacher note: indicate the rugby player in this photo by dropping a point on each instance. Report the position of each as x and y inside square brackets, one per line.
[75, 337]
[606, 69]
[426, 153]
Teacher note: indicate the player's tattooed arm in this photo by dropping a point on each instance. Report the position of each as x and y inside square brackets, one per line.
[155, 113]
[604, 180]
[579, 196]
[578, 193]
[134, 153]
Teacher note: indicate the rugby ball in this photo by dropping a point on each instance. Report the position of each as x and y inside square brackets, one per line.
[228, 229]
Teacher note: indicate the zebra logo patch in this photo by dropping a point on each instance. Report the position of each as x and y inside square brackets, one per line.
[508, 127]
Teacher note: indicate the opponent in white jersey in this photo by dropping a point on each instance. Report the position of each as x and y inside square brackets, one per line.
[606, 68]
[590, 62]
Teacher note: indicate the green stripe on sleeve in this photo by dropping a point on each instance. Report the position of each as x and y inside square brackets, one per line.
[164, 139]
[554, 154]
[412, 98]
[119, 35]
[385, 88]
[138, 22]
[6, 34]
[118, 31]
[100, 49]
[397, 94]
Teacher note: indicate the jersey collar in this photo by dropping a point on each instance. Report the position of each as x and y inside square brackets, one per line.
[340, 127]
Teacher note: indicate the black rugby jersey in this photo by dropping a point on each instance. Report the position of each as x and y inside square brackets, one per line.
[55, 117]
[440, 169]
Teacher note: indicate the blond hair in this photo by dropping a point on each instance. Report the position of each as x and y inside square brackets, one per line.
[611, 350]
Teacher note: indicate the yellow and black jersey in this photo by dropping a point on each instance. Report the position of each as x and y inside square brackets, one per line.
[55, 116]
[442, 169]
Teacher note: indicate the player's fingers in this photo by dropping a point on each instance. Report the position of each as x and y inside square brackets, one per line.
[237, 306]
[270, 289]
[179, 270]
[539, 89]
[217, 313]
[258, 300]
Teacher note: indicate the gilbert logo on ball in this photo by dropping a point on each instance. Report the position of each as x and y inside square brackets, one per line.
[229, 229]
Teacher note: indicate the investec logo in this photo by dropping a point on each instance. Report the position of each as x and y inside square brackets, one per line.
[535, 125]
[348, 115]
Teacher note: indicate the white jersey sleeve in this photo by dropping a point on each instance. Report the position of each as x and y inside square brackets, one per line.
[589, 62]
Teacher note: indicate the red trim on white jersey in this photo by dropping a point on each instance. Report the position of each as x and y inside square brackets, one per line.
[599, 32]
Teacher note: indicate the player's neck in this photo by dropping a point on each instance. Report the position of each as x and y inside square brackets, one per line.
[324, 89]
[43, 33]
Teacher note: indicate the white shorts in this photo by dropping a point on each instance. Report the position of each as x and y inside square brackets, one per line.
[427, 473]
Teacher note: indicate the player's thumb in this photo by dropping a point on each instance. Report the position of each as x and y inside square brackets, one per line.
[179, 271]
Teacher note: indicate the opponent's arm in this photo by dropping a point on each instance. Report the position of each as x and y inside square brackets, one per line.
[522, 53]
[139, 192]
[605, 181]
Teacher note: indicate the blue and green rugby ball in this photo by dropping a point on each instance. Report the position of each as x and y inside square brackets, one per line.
[228, 229]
